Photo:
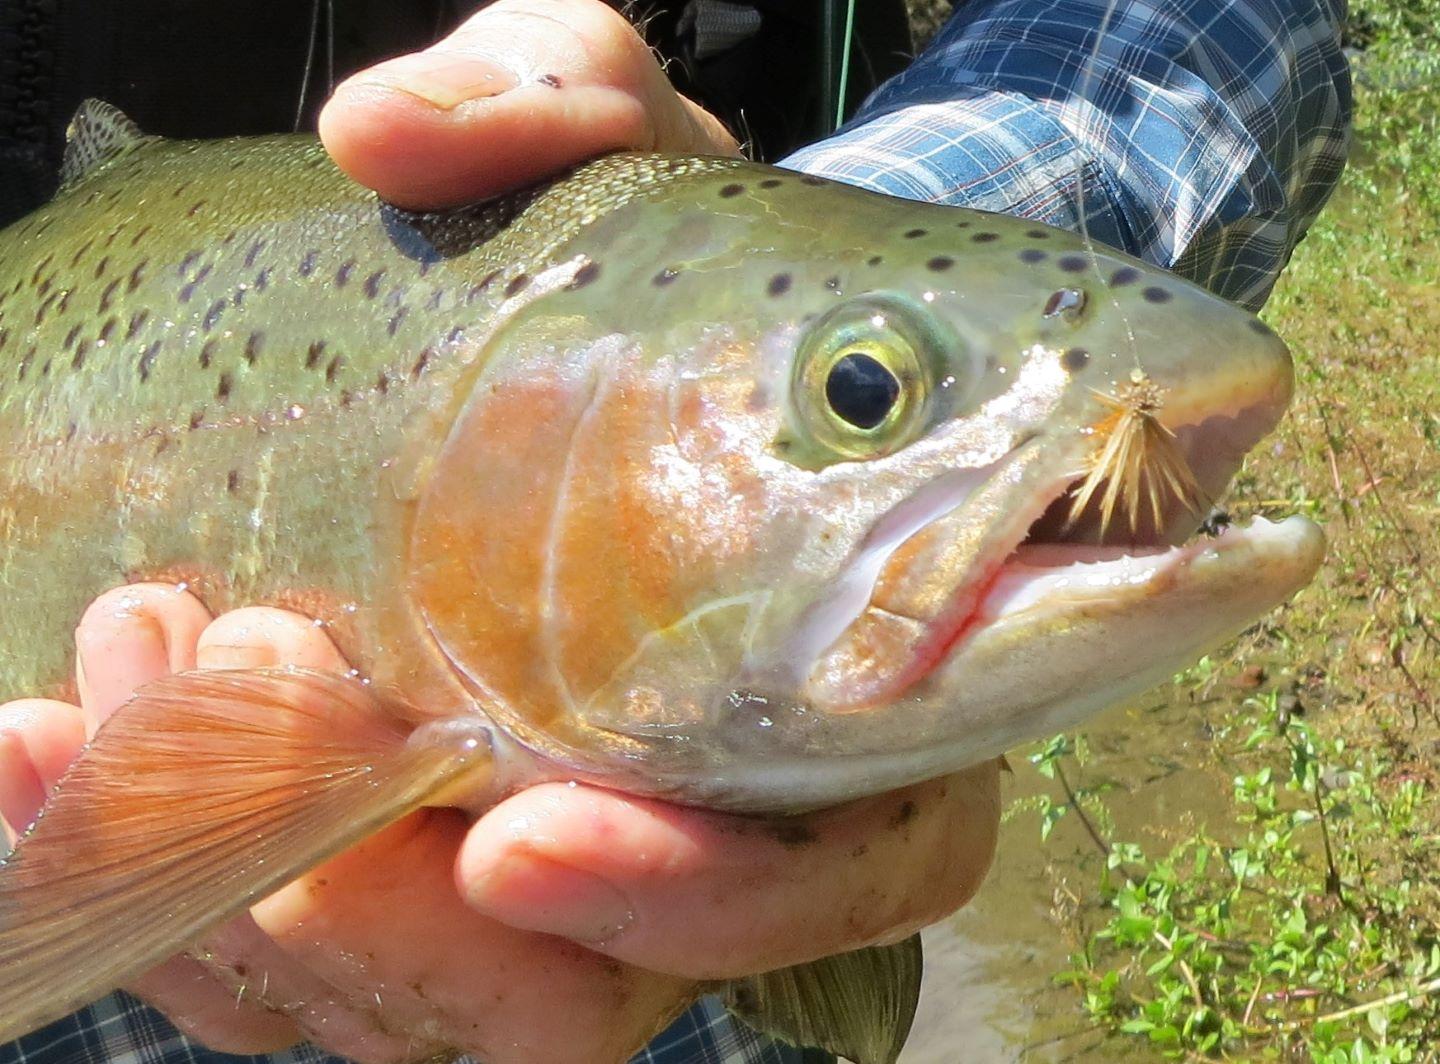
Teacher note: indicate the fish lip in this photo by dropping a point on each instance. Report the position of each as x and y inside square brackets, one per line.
[940, 638]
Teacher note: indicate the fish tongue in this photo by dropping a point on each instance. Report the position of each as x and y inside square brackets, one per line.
[204, 793]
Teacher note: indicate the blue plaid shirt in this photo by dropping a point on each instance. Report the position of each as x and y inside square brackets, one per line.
[1205, 136]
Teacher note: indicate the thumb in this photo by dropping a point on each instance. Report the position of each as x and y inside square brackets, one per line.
[520, 91]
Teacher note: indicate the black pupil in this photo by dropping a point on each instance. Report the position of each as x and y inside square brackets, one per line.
[861, 390]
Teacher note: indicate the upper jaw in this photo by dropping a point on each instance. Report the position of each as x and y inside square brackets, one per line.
[940, 589]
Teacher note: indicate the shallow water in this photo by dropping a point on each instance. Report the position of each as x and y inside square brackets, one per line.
[988, 993]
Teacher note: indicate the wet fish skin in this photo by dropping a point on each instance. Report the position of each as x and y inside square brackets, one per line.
[564, 474]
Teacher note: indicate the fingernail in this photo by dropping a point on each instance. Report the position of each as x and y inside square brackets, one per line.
[21, 792]
[445, 80]
[237, 656]
[537, 894]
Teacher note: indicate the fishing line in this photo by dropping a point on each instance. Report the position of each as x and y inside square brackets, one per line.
[1087, 77]
[845, 64]
[309, 64]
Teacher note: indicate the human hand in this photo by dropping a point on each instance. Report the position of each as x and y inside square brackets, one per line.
[501, 938]
[520, 91]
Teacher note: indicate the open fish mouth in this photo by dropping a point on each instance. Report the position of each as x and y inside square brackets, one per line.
[1050, 562]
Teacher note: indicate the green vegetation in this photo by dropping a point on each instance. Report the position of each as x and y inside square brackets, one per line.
[1304, 923]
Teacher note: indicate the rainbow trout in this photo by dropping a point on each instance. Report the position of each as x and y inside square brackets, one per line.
[687, 476]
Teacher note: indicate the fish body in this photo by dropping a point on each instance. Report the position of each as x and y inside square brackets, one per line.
[689, 476]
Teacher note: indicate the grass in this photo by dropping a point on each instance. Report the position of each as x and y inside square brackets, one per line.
[1304, 921]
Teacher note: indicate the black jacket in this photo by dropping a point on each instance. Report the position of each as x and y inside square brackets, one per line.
[205, 68]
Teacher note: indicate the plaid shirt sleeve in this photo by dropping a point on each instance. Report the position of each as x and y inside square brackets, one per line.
[1207, 133]
[120, 1030]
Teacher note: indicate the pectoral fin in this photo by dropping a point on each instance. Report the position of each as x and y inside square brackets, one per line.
[206, 792]
[857, 1005]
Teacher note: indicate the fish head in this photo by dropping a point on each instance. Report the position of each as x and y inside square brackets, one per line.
[807, 493]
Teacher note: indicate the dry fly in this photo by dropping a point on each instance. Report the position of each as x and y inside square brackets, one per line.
[1136, 457]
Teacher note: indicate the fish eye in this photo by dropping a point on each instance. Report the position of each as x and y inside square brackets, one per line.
[862, 381]
[861, 390]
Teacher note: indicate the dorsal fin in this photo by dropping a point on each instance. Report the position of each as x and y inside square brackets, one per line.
[97, 135]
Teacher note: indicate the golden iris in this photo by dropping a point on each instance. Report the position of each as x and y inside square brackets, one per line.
[863, 378]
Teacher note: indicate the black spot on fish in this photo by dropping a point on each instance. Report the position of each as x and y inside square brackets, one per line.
[732, 190]
[107, 330]
[137, 322]
[1072, 263]
[138, 274]
[517, 284]
[912, 234]
[940, 263]
[186, 263]
[307, 263]
[1123, 276]
[70, 338]
[382, 383]
[222, 389]
[147, 360]
[812, 180]
[393, 325]
[333, 369]
[1156, 294]
[81, 350]
[832, 283]
[665, 276]
[312, 357]
[1067, 301]
[1075, 359]
[196, 208]
[584, 275]
[108, 296]
[874, 260]
[207, 354]
[454, 335]
[372, 283]
[779, 284]
[102, 266]
[197, 418]
[436, 298]
[771, 182]
[552, 80]
[232, 481]
[140, 235]
[212, 316]
[984, 237]
[1037, 234]
[1032, 255]
[253, 254]
[262, 279]
[422, 362]
[252, 347]
[962, 224]
[342, 275]
[176, 192]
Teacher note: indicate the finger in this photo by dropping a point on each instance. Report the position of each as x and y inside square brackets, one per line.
[262, 637]
[217, 1016]
[386, 914]
[38, 740]
[130, 636]
[237, 998]
[712, 896]
[521, 91]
